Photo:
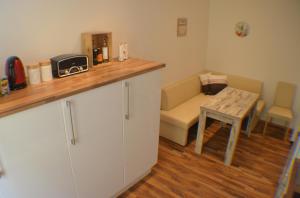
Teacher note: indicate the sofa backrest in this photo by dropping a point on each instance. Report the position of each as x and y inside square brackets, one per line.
[179, 92]
[243, 83]
[246, 84]
[182, 90]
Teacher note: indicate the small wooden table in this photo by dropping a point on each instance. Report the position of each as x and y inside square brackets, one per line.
[230, 106]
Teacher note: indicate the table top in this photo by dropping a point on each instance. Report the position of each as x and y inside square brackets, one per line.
[34, 95]
[232, 102]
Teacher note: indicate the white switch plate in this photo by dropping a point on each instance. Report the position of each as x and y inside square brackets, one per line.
[182, 27]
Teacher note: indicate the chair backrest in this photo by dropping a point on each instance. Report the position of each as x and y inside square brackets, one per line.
[284, 95]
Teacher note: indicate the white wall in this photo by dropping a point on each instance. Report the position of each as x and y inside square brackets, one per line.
[272, 50]
[35, 30]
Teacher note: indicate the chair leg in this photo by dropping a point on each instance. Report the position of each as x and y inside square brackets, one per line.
[286, 135]
[269, 119]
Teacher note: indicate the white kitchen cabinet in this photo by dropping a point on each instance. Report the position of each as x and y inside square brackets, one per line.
[94, 144]
[141, 124]
[34, 154]
[96, 154]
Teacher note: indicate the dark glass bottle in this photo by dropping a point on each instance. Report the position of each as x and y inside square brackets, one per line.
[95, 54]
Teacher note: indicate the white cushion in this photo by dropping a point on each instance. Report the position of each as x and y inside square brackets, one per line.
[204, 78]
[218, 79]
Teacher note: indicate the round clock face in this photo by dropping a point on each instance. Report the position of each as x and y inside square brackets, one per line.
[242, 29]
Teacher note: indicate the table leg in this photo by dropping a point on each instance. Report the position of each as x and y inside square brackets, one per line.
[250, 121]
[234, 134]
[200, 133]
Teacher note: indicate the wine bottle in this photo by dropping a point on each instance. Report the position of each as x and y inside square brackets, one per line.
[105, 51]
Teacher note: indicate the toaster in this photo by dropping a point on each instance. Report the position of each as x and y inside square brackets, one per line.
[69, 64]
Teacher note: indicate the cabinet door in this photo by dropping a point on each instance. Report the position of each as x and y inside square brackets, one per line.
[141, 124]
[34, 154]
[95, 138]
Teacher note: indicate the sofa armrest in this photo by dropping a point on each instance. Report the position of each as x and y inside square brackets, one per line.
[260, 107]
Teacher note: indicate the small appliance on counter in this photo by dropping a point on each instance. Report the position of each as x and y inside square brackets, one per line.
[46, 70]
[15, 73]
[69, 64]
[34, 74]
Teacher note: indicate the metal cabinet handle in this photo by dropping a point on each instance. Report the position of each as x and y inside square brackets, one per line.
[69, 105]
[127, 116]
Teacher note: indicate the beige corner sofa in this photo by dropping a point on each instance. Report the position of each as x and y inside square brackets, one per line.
[181, 101]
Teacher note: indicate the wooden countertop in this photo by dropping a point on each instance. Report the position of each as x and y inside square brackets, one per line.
[34, 95]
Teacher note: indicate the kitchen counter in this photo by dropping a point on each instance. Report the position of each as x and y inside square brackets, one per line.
[34, 95]
[93, 134]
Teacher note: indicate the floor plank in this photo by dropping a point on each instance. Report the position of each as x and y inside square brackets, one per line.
[256, 167]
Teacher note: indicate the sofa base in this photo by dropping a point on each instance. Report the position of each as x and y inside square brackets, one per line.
[180, 135]
[173, 133]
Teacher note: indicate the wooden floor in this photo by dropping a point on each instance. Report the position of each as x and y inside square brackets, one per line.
[256, 168]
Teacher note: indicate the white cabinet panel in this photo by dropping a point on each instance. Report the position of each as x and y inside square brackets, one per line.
[96, 156]
[34, 154]
[141, 126]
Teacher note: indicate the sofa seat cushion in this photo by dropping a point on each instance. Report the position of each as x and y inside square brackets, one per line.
[185, 114]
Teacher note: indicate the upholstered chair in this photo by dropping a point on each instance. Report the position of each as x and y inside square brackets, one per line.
[282, 106]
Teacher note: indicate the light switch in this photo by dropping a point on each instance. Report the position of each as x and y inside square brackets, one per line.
[182, 27]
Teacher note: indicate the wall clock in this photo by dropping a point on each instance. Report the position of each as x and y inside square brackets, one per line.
[242, 29]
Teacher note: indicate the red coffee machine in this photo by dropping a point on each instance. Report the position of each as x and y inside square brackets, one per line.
[15, 73]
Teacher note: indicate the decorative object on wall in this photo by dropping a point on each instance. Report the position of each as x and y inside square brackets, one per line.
[242, 29]
[182, 27]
